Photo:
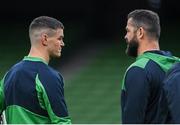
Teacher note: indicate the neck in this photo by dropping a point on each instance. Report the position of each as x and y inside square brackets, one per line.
[37, 52]
[148, 46]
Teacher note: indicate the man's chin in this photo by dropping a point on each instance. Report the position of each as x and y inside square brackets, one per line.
[131, 54]
[56, 55]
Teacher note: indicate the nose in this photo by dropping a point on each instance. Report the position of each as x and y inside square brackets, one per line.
[62, 43]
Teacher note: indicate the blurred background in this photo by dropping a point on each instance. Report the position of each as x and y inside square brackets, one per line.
[93, 61]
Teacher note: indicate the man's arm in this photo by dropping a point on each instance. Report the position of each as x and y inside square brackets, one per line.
[172, 89]
[1, 96]
[53, 97]
[135, 96]
[1, 100]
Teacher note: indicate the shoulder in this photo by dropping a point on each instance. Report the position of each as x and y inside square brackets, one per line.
[173, 74]
[144, 69]
[175, 68]
[49, 75]
[136, 71]
[17, 66]
[137, 67]
[172, 81]
[15, 69]
[146, 64]
[48, 71]
[141, 63]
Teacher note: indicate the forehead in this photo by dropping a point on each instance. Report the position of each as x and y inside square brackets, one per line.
[130, 23]
[60, 32]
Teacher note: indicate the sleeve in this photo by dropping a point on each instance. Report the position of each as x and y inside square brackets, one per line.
[53, 96]
[1, 96]
[172, 90]
[135, 96]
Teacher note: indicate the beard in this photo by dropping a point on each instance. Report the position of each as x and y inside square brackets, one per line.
[132, 47]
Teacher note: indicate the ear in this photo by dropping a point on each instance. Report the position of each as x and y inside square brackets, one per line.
[44, 39]
[140, 33]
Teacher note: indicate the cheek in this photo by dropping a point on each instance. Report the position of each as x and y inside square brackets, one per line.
[130, 36]
[57, 44]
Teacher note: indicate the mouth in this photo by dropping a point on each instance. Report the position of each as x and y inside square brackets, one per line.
[59, 50]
